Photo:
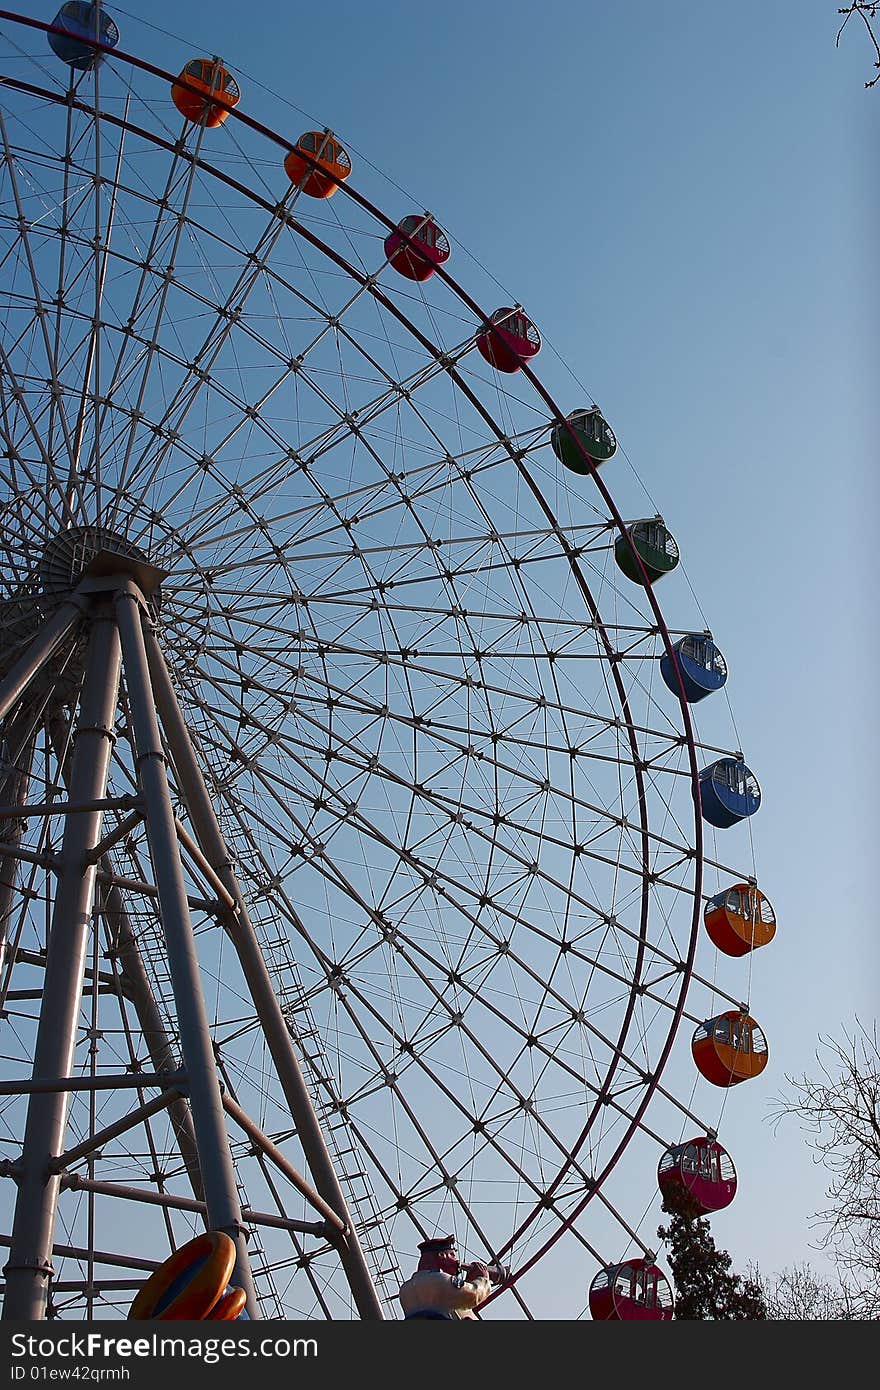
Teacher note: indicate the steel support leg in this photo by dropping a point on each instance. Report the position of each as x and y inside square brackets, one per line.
[123, 941]
[209, 1120]
[20, 742]
[19, 676]
[30, 1261]
[156, 1040]
[242, 935]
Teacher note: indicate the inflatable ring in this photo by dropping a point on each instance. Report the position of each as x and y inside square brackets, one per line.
[229, 1307]
[190, 1282]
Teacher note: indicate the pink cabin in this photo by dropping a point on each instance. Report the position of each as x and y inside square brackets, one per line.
[699, 1175]
[509, 340]
[632, 1289]
[417, 247]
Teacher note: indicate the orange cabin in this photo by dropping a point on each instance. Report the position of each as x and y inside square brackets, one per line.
[508, 340]
[192, 1284]
[229, 1307]
[318, 164]
[210, 80]
[634, 1289]
[729, 1048]
[739, 920]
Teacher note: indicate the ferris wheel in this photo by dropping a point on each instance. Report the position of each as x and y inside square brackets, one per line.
[352, 810]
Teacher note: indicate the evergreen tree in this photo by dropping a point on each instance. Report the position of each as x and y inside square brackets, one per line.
[705, 1288]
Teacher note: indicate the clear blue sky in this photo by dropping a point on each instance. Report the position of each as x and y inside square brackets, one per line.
[685, 199]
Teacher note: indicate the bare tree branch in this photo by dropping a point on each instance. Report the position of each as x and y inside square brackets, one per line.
[839, 1109]
[867, 12]
[799, 1294]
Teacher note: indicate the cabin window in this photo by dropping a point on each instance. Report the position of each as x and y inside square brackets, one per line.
[742, 1038]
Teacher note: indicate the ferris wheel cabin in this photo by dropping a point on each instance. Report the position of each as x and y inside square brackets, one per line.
[417, 247]
[655, 546]
[192, 1284]
[633, 1289]
[697, 1177]
[508, 340]
[739, 920]
[317, 164]
[702, 667]
[82, 20]
[594, 438]
[729, 792]
[729, 1048]
[211, 82]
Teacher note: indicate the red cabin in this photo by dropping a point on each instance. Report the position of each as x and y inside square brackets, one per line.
[632, 1289]
[698, 1176]
[729, 1048]
[210, 79]
[739, 920]
[417, 247]
[509, 340]
[318, 164]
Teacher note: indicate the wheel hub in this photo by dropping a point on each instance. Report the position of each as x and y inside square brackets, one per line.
[66, 558]
[69, 554]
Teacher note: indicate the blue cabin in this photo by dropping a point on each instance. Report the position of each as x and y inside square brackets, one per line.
[729, 792]
[703, 668]
[82, 20]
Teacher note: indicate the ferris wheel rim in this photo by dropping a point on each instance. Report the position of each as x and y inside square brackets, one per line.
[560, 419]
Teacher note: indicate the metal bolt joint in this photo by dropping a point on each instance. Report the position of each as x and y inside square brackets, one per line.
[37, 1266]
